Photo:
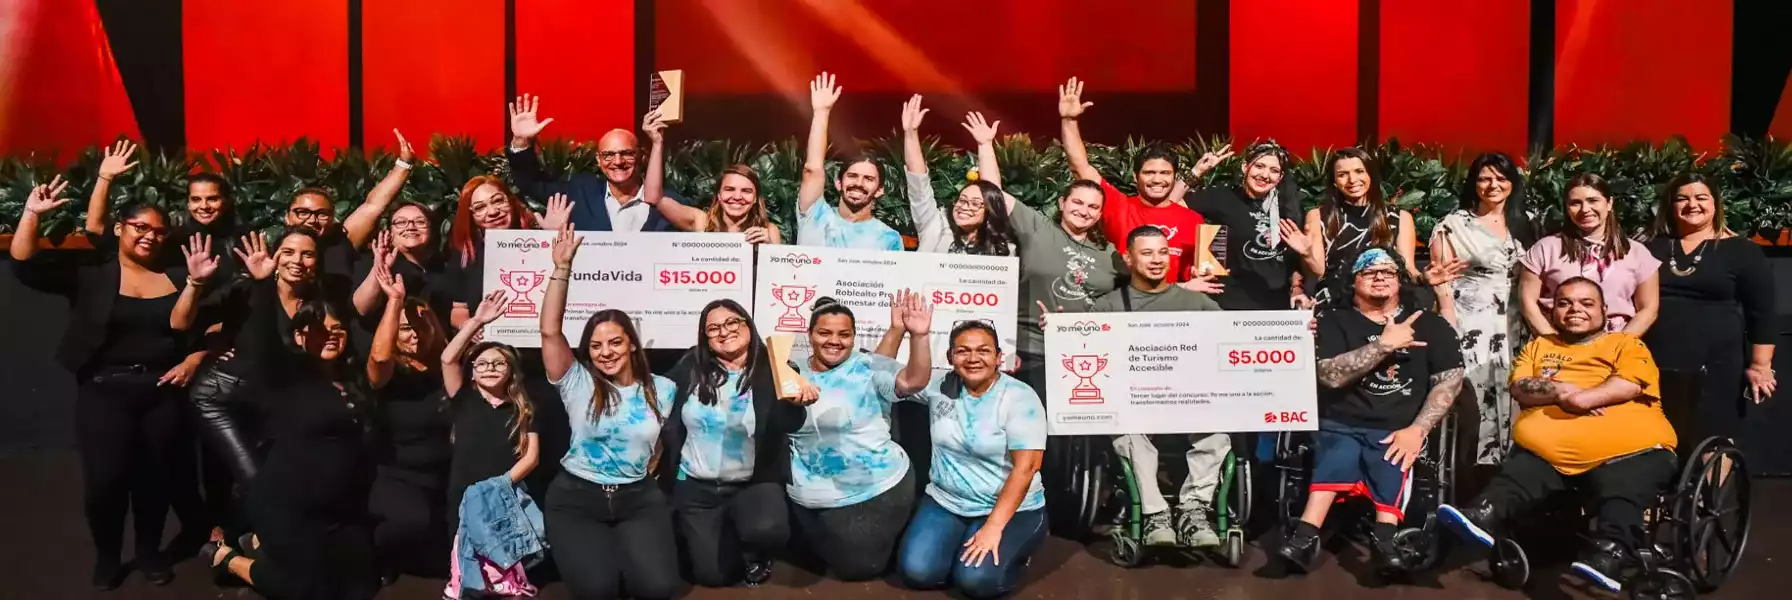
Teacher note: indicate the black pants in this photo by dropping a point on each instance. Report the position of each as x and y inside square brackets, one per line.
[1616, 492]
[327, 561]
[136, 456]
[410, 530]
[725, 524]
[228, 460]
[607, 537]
[857, 541]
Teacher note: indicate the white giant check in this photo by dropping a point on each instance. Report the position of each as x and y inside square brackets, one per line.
[1180, 372]
[662, 280]
[961, 287]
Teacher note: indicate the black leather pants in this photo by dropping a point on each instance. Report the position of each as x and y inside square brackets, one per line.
[222, 415]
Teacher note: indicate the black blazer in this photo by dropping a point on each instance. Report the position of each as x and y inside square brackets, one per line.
[586, 191]
[774, 420]
[89, 280]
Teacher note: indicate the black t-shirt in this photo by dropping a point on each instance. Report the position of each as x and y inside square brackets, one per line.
[1390, 395]
[1259, 272]
[429, 281]
[412, 421]
[335, 255]
[465, 283]
[483, 444]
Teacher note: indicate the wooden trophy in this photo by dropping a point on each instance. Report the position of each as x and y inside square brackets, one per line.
[789, 382]
[665, 92]
[1209, 261]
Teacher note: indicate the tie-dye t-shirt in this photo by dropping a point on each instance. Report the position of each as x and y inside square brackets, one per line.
[719, 442]
[616, 449]
[822, 225]
[843, 454]
[972, 436]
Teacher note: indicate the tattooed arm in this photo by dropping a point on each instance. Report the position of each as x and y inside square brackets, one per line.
[1444, 387]
[1344, 369]
[1532, 392]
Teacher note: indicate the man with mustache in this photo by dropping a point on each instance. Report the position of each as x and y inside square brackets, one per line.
[1387, 375]
[1592, 420]
[1155, 174]
[860, 184]
[611, 203]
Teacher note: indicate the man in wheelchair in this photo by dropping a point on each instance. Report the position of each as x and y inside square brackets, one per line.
[1387, 376]
[1591, 420]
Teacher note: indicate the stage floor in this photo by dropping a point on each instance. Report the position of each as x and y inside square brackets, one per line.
[47, 556]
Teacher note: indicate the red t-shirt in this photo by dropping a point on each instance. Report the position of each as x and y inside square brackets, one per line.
[1120, 214]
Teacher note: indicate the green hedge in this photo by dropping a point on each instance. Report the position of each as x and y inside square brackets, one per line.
[1756, 176]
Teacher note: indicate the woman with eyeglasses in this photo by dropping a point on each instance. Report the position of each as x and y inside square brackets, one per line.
[736, 208]
[314, 210]
[409, 248]
[728, 429]
[129, 365]
[486, 203]
[973, 228]
[309, 503]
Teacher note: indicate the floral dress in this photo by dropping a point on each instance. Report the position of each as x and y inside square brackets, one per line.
[1488, 323]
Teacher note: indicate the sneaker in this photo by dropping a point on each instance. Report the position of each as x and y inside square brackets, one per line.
[1384, 554]
[1602, 564]
[1472, 522]
[758, 572]
[1301, 547]
[1158, 531]
[1194, 530]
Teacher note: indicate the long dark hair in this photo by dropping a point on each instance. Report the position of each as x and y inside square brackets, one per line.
[431, 340]
[514, 392]
[993, 235]
[1518, 223]
[343, 370]
[708, 374]
[1665, 224]
[1574, 244]
[1331, 208]
[604, 393]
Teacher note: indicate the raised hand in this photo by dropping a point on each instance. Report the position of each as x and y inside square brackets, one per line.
[917, 314]
[253, 252]
[389, 282]
[654, 126]
[566, 245]
[383, 254]
[1398, 334]
[201, 265]
[823, 93]
[491, 307]
[898, 306]
[1070, 100]
[1294, 238]
[46, 197]
[523, 121]
[982, 132]
[559, 213]
[1440, 272]
[405, 153]
[912, 113]
[1212, 158]
[117, 160]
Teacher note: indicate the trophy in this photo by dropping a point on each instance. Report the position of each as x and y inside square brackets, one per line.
[521, 282]
[1085, 367]
[792, 296]
[789, 382]
[665, 92]
[1212, 247]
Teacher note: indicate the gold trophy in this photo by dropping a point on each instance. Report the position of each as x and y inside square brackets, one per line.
[789, 382]
[665, 92]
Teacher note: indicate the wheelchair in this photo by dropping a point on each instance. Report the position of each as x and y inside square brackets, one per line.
[1431, 483]
[1231, 502]
[1693, 540]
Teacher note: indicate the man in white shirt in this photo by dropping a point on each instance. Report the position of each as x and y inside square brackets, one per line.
[618, 193]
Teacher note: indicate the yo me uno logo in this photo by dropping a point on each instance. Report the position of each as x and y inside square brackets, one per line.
[522, 245]
[606, 276]
[796, 260]
[1083, 327]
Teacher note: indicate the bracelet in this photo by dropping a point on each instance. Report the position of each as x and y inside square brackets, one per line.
[191, 282]
[401, 164]
[561, 279]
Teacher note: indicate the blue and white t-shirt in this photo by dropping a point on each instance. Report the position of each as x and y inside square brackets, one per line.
[718, 444]
[822, 225]
[616, 449]
[972, 436]
[843, 454]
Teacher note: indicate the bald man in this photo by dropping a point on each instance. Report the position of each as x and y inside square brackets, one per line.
[612, 203]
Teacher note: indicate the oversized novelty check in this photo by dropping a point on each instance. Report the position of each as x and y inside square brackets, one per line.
[961, 287]
[662, 280]
[1180, 372]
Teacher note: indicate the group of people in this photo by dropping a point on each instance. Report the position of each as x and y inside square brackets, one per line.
[353, 420]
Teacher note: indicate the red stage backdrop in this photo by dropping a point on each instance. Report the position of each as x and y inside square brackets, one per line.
[1642, 69]
[59, 91]
[274, 70]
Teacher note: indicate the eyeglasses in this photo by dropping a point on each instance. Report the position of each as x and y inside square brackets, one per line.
[972, 203]
[1376, 274]
[490, 365]
[141, 228]
[402, 224]
[615, 155]
[731, 325]
[304, 214]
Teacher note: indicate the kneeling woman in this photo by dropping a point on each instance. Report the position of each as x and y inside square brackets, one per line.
[733, 451]
[984, 513]
[851, 482]
[606, 523]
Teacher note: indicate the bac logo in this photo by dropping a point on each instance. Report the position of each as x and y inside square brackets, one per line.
[1285, 417]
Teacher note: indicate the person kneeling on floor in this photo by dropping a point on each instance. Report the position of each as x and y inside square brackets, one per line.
[1592, 420]
[1377, 359]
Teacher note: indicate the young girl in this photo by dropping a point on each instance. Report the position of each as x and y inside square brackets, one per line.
[494, 434]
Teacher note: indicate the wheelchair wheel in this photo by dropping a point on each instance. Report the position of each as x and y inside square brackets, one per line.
[1076, 484]
[1418, 547]
[1291, 461]
[1125, 550]
[1712, 513]
[1241, 497]
[1660, 584]
[1508, 564]
[1234, 548]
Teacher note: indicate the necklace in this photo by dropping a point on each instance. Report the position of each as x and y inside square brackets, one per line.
[1692, 267]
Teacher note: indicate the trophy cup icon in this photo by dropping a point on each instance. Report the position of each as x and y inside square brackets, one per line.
[1085, 367]
[521, 282]
[792, 296]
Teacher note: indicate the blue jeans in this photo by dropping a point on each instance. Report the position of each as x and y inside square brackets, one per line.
[929, 558]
